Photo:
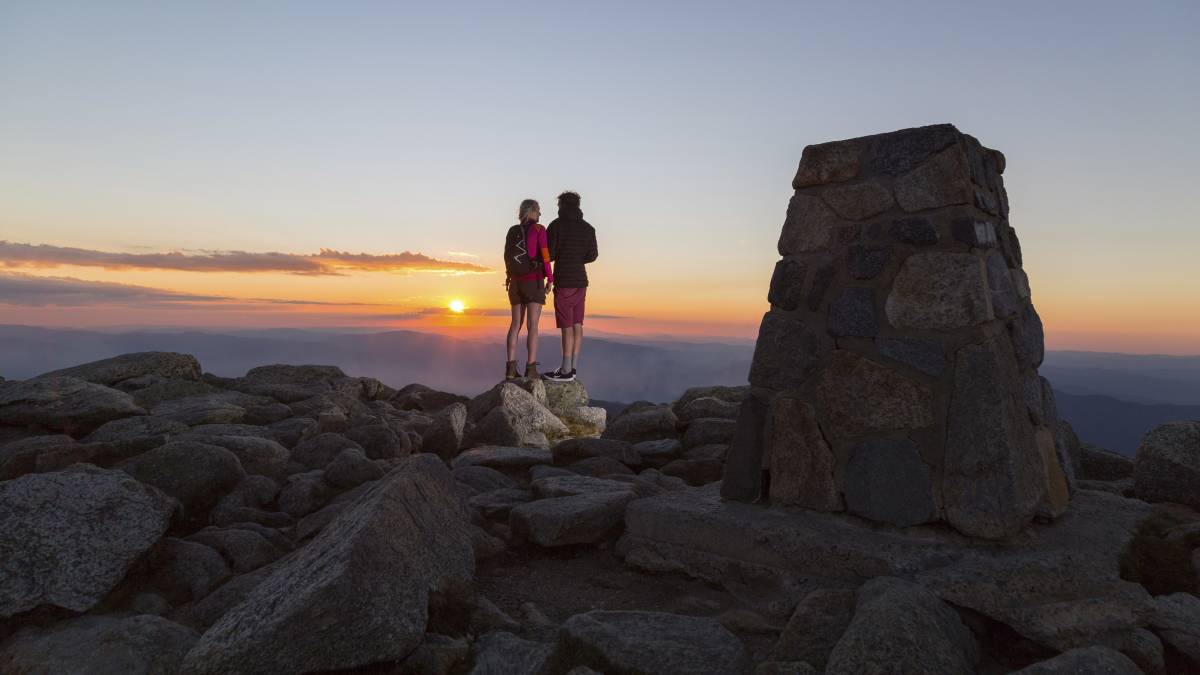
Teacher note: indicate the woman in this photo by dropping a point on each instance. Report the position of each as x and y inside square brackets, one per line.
[527, 263]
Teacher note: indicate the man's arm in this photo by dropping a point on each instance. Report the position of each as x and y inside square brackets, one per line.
[552, 237]
[592, 253]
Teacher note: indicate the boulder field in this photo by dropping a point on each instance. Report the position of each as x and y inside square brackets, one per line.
[892, 491]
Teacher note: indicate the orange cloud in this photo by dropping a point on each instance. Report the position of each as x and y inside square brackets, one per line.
[327, 262]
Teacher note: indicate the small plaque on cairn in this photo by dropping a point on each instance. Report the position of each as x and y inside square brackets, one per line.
[895, 376]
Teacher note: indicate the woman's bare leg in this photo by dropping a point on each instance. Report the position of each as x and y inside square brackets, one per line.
[514, 330]
[531, 336]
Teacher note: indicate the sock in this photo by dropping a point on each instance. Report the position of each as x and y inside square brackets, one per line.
[574, 362]
[566, 365]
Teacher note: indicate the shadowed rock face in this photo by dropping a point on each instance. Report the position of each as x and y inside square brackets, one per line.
[903, 339]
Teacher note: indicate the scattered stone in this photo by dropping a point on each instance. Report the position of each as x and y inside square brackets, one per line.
[317, 452]
[1176, 619]
[852, 314]
[1167, 468]
[600, 466]
[304, 494]
[652, 642]
[203, 409]
[1146, 650]
[244, 550]
[99, 644]
[289, 432]
[899, 627]
[197, 474]
[695, 472]
[887, 481]
[23, 456]
[482, 478]
[645, 425]
[425, 399]
[350, 469]
[577, 519]
[575, 449]
[1096, 463]
[378, 441]
[497, 504]
[109, 372]
[938, 291]
[660, 452]
[67, 404]
[258, 456]
[369, 575]
[486, 617]
[444, 437]
[1057, 599]
[186, 570]
[709, 431]
[437, 655]
[203, 613]
[93, 523]
[501, 457]
[502, 653]
[1090, 660]
[816, 626]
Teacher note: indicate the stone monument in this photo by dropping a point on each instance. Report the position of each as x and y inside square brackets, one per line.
[895, 375]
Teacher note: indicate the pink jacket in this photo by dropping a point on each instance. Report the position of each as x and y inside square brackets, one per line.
[538, 246]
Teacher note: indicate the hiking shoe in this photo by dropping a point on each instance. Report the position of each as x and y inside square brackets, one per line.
[531, 370]
[510, 370]
[569, 377]
[556, 376]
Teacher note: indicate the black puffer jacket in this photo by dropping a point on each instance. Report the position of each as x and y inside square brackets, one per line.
[572, 245]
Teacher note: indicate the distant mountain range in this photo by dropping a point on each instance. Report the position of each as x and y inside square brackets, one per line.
[614, 371]
[1110, 399]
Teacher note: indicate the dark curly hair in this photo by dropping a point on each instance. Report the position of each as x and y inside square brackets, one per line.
[568, 200]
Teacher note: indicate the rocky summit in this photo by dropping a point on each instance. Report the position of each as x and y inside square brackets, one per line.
[892, 491]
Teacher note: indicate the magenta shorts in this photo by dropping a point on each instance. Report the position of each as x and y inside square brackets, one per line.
[568, 306]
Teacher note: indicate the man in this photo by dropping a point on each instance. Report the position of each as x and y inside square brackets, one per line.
[572, 246]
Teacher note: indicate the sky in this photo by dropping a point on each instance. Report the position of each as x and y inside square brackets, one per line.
[318, 164]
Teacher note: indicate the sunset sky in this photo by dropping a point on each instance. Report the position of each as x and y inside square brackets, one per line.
[239, 165]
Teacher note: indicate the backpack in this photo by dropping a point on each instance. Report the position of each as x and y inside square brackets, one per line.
[517, 260]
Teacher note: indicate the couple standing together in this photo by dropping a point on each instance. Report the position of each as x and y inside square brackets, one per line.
[529, 249]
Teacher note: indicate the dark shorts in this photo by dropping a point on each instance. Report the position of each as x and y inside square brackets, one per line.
[526, 291]
[568, 306]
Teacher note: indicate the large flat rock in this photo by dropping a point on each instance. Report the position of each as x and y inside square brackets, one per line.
[93, 524]
[694, 532]
[66, 404]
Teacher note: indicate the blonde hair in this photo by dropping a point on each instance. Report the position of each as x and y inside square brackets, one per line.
[527, 206]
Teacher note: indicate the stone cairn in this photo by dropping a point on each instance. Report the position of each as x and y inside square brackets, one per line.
[895, 376]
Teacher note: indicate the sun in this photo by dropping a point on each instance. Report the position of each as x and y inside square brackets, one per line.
[457, 306]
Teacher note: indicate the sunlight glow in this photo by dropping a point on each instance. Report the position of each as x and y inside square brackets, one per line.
[457, 306]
